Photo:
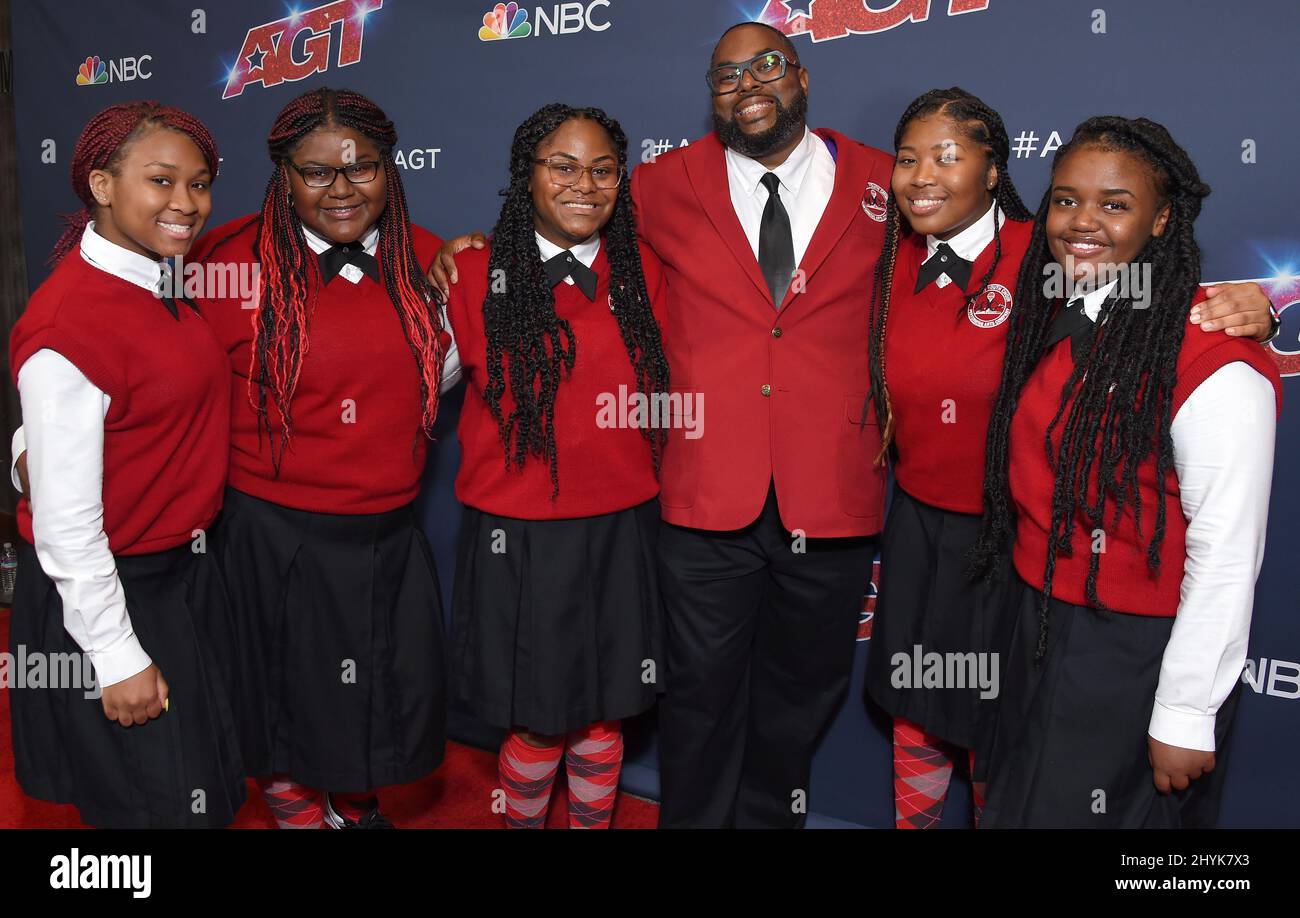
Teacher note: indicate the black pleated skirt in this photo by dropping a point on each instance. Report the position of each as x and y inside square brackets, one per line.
[341, 681]
[925, 604]
[557, 624]
[180, 770]
[1070, 745]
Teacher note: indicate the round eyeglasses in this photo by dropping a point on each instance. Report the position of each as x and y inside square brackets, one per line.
[567, 173]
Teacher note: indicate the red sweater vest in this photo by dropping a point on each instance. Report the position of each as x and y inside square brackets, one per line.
[166, 435]
[356, 445]
[1125, 583]
[601, 468]
[943, 364]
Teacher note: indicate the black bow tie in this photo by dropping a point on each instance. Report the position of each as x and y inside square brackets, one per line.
[333, 259]
[566, 264]
[943, 261]
[1073, 323]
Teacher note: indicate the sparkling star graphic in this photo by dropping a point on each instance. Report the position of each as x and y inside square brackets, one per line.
[798, 8]
[257, 53]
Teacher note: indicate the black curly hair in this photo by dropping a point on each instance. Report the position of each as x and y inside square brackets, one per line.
[529, 347]
[982, 125]
[1117, 404]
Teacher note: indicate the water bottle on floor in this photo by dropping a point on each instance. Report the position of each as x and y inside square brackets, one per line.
[8, 573]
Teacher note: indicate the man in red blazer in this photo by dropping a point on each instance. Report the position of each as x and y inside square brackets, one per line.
[769, 234]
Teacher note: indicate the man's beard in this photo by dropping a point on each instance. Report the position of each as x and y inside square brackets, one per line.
[789, 124]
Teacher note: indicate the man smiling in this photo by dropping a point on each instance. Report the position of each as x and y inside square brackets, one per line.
[769, 242]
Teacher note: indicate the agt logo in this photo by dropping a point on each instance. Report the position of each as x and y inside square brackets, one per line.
[827, 19]
[868, 611]
[94, 70]
[298, 45]
[509, 20]
[1283, 291]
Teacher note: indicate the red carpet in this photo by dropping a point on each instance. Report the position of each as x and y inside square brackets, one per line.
[458, 795]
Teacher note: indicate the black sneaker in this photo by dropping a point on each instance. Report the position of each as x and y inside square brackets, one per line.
[372, 820]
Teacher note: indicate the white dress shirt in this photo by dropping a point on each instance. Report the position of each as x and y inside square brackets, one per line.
[352, 274]
[807, 178]
[1223, 455]
[63, 418]
[968, 243]
[584, 251]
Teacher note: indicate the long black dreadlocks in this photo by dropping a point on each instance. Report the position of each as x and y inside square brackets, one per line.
[982, 125]
[529, 347]
[1117, 403]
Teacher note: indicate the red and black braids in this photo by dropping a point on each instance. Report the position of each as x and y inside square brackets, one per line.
[290, 278]
[102, 144]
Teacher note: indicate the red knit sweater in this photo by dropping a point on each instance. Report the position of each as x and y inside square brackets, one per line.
[601, 469]
[356, 445]
[943, 364]
[1125, 582]
[166, 435]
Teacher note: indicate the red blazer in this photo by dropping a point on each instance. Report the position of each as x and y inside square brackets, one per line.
[783, 392]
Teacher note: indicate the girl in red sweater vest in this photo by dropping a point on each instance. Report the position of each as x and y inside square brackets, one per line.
[127, 429]
[956, 231]
[333, 381]
[1130, 458]
[556, 616]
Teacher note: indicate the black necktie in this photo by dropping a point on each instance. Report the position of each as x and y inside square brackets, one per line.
[170, 305]
[943, 261]
[1073, 323]
[775, 244]
[335, 257]
[565, 264]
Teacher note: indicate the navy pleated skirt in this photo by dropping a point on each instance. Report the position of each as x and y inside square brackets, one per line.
[341, 681]
[1069, 748]
[557, 624]
[926, 604]
[180, 770]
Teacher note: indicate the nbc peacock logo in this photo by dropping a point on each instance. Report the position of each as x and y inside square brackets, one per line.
[92, 71]
[505, 20]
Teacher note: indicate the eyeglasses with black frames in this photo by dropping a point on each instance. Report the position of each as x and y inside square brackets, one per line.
[764, 68]
[314, 176]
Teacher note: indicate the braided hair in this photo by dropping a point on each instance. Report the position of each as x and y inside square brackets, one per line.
[982, 125]
[103, 144]
[291, 276]
[529, 347]
[1116, 406]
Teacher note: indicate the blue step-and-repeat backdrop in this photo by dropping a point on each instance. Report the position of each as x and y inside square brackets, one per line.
[457, 76]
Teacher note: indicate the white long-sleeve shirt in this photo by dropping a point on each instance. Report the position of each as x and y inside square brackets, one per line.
[63, 417]
[1223, 437]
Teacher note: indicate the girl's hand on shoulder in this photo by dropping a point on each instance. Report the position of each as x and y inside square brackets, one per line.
[136, 700]
[442, 273]
[1240, 310]
[1173, 767]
